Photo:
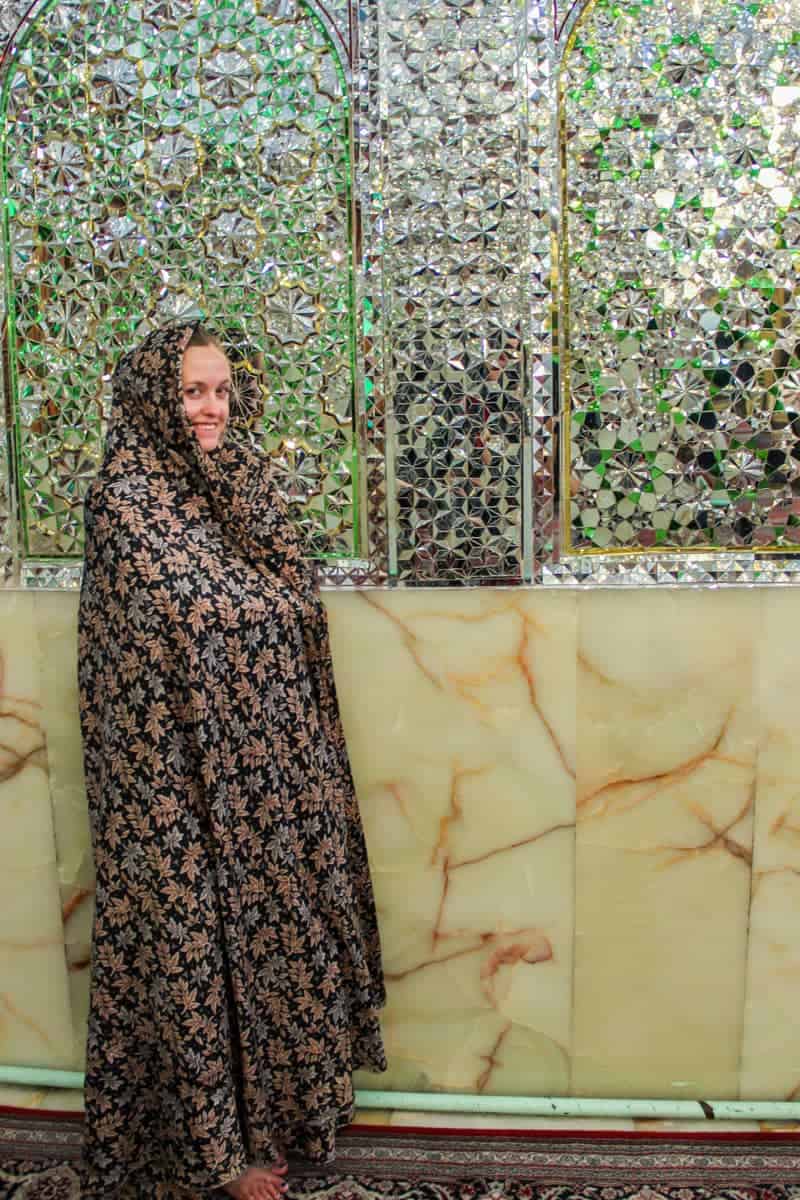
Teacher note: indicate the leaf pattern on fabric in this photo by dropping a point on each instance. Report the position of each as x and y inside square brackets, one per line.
[236, 972]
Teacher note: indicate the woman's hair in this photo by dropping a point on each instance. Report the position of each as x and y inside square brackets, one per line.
[204, 337]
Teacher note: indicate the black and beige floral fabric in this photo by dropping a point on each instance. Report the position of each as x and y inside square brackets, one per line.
[236, 973]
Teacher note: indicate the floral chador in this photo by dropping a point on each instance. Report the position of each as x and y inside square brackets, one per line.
[236, 974]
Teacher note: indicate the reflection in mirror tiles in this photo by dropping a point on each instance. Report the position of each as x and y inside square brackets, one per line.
[511, 291]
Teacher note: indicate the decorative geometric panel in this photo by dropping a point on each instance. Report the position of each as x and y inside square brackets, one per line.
[454, 237]
[171, 158]
[681, 236]
[516, 288]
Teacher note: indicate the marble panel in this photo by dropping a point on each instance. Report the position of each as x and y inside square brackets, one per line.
[463, 748]
[35, 1019]
[474, 718]
[667, 740]
[56, 616]
[771, 1045]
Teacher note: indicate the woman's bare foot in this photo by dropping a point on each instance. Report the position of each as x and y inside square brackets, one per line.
[260, 1183]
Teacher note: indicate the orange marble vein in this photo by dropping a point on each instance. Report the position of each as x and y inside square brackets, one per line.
[13, 715]
[74, 903]
[12, 759]
[28, 1022]
[491, 1059]
[436, 933]
[767, 872]
[440, 849]
[522, 663]
[5, 697]
[463, 685]
[398, 976]
[410, 639]
[498, 609]
[661, 779]
[17, 762]
[527, 841]
[782, 824]
[38, 943]
[527, 946]
[455, 813]
[583, 662]
[395, 790]
[521, 945]
[719, 837]
[462, 682]
[590, 669]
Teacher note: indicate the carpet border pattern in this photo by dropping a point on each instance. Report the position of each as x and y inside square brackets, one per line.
[376, 1152]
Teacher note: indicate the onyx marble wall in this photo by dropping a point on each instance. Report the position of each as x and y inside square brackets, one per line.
[583, 815]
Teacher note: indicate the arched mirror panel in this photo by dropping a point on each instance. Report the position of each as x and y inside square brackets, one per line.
[173, 158]
[680, 245]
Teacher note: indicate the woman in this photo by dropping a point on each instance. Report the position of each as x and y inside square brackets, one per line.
[236, 970]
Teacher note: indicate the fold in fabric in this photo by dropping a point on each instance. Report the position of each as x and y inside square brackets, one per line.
[236, 972]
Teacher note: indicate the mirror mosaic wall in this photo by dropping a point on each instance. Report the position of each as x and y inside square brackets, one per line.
[513, 290]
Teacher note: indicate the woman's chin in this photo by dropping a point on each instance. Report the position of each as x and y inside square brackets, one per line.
[209, 443]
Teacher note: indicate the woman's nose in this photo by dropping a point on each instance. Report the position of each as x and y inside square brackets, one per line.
[213, 404]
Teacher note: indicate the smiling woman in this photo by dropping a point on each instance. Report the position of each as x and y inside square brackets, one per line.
[236, 971]
[206, 385]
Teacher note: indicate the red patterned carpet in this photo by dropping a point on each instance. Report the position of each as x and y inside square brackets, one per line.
[39, 1152]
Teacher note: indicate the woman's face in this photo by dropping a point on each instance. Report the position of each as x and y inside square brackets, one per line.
[206, 381]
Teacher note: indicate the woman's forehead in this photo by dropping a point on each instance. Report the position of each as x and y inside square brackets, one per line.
[202, 361]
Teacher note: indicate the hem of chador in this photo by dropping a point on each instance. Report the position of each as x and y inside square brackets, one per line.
[341, 1120]
[133, 1187]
